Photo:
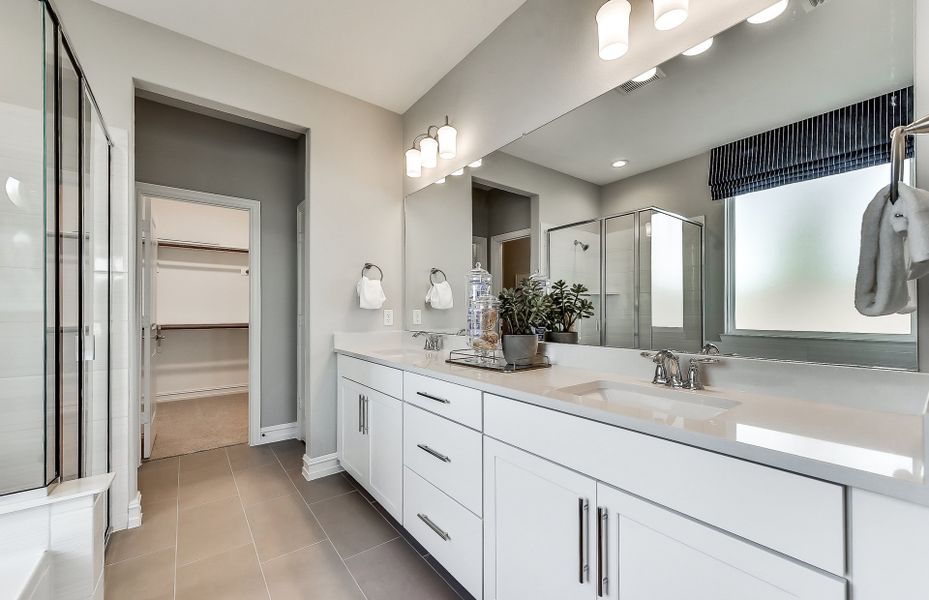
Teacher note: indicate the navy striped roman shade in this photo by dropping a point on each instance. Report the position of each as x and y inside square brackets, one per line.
[853, 137]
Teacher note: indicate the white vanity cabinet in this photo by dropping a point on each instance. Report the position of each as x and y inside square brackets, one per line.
[371, 430]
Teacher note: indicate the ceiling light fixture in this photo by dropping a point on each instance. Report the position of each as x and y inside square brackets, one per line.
[620, 163]
[448, 140]
[477, 164]
[429, 148]
[670, 13]
[699, 48]
[441, 180]
[770, 13]
[651, 73]
[414, 163]
[458, 172]
[613, 29]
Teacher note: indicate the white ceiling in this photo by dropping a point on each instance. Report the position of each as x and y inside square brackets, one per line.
[387, 52]
[753, 79]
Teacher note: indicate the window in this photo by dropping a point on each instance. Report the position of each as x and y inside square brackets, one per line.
[793, 258]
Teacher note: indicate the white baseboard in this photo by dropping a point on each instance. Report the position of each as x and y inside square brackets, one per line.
[321, 466]
[223, 390]
[276, 433]
[135, 512]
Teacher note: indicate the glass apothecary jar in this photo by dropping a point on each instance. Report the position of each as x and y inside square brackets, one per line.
[484, 325]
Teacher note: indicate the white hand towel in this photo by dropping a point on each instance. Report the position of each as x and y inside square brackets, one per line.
[371, 293]
[881, 287]
[911, 219]
[440, 296]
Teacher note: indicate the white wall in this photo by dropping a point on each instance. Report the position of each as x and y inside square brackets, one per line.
[354, 189]
[541, 63]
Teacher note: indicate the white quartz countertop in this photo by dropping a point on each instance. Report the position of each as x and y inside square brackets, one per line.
[876, 450]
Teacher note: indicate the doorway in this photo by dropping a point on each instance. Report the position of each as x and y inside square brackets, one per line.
[200, 315]
[501, 234]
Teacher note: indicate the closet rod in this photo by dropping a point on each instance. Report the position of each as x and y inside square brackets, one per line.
[195, 246]
[178, 326]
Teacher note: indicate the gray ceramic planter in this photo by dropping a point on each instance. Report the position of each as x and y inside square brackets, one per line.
[519, 349]
[562, 337]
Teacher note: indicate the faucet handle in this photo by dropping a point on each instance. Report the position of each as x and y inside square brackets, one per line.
[693, 371]
[705, 360]
[709, 349]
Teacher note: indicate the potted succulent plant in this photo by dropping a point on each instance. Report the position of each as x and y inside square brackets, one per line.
[522, 310]
[566, 307]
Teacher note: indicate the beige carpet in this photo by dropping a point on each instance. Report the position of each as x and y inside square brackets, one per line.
[187, 426]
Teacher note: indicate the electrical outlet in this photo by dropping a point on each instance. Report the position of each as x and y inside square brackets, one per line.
[417, 317]
[388, 317]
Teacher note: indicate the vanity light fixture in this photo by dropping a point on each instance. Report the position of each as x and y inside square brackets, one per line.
[770, 13]
[477, 164]
[670, 13]
[441, 180]
[448, 140]
[699, 48]
[620, 163]
[429, 148]
[651, 73]
[414, 163]
[613, 29]
[458, 172]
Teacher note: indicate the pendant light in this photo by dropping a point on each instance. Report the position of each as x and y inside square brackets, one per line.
[770, 13]
[670, 13]
[414, 163]
[429, 148]
[448, 140]
[613, 29]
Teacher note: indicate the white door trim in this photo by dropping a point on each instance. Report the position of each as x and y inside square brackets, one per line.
[254, 305]
[302, 330]
[496, 254]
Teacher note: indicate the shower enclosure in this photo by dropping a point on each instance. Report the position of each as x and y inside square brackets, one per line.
[644, 270]
[54, 258]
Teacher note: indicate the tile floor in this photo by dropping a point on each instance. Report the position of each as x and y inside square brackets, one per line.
[240, 522]
[197, 424]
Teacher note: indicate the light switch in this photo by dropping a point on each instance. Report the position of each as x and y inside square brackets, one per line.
[388, 317]
[417, 317]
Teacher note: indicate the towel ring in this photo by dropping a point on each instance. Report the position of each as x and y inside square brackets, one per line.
[372, 266]
[432, 273]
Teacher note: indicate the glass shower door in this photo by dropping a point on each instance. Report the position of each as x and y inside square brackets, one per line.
[574, 256]
[620, 302]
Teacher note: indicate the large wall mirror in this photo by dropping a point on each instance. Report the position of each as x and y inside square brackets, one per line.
[691, 217]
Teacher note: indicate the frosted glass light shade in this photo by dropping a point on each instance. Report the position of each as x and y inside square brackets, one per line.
[458, 172]
[670, 13]
[699, 48]
[414, 163]
[770, 13]
[448, 141]
[646, 75]
[430, 152]
[441, 181]
[613, 29]
[477, 164]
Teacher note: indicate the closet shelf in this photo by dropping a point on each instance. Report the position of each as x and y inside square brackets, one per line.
[179, 326]
[196, 246]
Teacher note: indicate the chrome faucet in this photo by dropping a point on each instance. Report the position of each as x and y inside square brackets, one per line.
[434, 341]
[668, 369]
[693, 371]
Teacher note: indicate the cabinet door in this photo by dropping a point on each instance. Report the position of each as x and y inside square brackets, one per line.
[537, 528]
[353, 442]
[651, 553]
[384, 418]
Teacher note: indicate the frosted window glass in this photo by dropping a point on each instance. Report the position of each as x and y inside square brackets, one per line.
[796, 256]
[667, 271]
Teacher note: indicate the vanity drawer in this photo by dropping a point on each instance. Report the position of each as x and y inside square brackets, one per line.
[377, 377]
[449, 400]
[444, 453]
[795, 515]
[447, 530]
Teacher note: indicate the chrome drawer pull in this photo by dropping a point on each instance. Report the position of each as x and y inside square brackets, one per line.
[439, 532]
[431, 397]
[602, 533]
[583, 563]
[438, 455]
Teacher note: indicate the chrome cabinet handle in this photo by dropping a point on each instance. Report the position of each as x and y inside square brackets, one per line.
[438, 530]
[438, 455]
[431, 397]
[365, 421]
[583, 570]
[360, 413]
[602, 536]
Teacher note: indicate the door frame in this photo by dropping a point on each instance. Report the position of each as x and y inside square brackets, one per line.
[254, 284]
[496, 254]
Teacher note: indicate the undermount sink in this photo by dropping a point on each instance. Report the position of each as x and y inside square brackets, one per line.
[395, 352]
[687, 404]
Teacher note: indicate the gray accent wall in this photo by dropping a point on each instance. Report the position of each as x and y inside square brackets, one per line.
[184, 149]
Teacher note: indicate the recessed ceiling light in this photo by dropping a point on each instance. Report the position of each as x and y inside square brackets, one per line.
[441, 180]
[458, 172]
[477, 164]
[646, 75]
[699, 48]
[620, 163]
[770, 13]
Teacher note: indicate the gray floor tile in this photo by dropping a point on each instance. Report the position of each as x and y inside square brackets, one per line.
[243, 456]
[352, 524]
[314, 573]
[282, 525]
[393, 571]
[322, 488]
[149, 577]
[358, 487]
[403, 532]
[211, 529]
[232, 575]
[263, 482]
[157, 532]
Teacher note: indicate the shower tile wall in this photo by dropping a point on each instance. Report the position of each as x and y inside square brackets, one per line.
[573, 264]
